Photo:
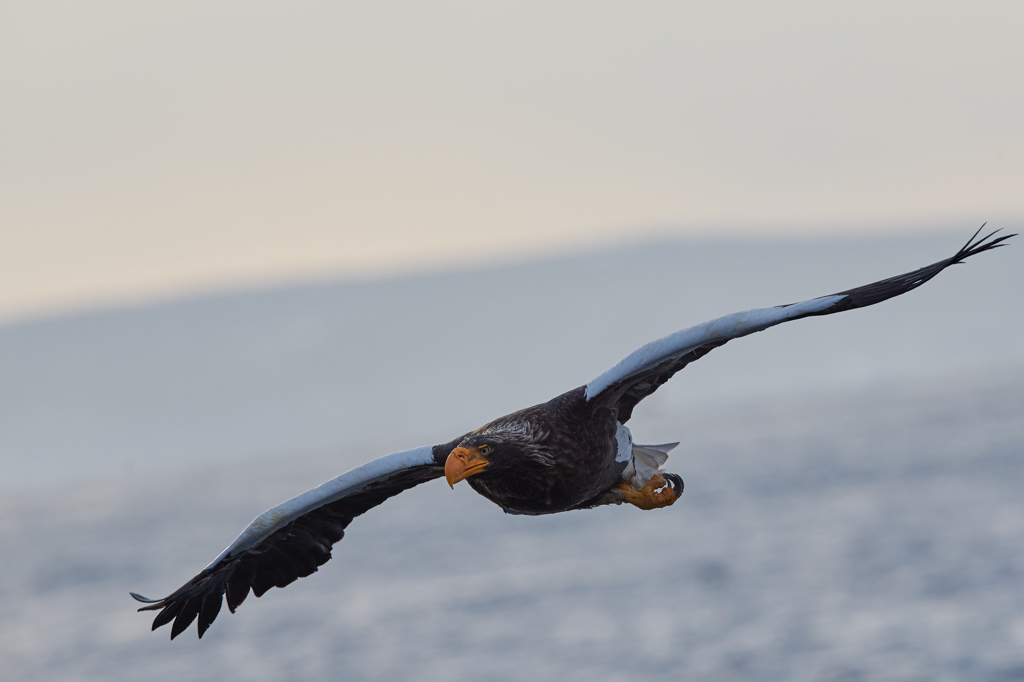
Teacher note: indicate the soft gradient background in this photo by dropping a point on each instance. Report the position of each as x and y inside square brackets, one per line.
[246, 246]
[152, 148]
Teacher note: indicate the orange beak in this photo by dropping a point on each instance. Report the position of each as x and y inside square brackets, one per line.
[463, 463]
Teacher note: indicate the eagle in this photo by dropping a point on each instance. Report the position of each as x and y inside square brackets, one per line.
[572, 452]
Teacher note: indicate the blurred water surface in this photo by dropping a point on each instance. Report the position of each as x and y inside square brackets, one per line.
[852, 507]
[875, 535]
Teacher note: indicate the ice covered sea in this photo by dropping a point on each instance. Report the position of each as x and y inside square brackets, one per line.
[853, 505]
[873, 535]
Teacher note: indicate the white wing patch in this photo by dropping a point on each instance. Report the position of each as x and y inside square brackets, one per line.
[625, 442]
[724, 328]
[644, 460]
[346, 484]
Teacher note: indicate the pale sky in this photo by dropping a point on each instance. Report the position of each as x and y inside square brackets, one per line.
[157, 149]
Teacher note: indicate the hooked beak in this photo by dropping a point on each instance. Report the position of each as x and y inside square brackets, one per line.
[463, 463]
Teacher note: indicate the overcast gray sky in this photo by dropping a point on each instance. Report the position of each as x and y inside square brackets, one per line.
[151, 149]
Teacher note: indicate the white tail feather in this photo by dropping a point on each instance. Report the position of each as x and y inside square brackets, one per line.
[647, 461]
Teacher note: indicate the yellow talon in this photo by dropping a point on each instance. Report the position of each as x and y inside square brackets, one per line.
[649, 497]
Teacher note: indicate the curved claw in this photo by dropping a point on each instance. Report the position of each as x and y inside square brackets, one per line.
[661, 491]
[675, 481]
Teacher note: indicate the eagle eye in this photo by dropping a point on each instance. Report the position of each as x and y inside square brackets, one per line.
[485, 450]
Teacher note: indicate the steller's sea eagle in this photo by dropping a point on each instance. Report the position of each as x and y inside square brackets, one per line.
[572, 452]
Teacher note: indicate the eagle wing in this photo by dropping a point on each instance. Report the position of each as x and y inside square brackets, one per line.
[292, 540]
[643, 371]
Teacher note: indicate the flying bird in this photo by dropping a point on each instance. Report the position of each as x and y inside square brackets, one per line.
[572, 452]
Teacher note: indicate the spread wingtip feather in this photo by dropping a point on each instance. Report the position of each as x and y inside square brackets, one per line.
[986, 243]
[138, 597]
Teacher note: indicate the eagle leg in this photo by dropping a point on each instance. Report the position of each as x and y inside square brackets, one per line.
[656, 493]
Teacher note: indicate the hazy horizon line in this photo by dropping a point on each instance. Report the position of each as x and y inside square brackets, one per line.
[608, 240]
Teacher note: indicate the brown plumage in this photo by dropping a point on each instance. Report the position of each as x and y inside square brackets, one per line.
[571, 452]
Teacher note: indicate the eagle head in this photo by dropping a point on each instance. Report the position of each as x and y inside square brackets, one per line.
[494, 449]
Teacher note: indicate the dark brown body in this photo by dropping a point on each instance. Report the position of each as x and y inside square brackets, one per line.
[559, 455]
[549, 458]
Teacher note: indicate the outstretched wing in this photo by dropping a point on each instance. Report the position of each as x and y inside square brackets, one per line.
[293, 539]
[642, 372]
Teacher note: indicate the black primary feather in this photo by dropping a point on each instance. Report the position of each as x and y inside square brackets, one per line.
[548, 458]
[294, 551]
[625, 394]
